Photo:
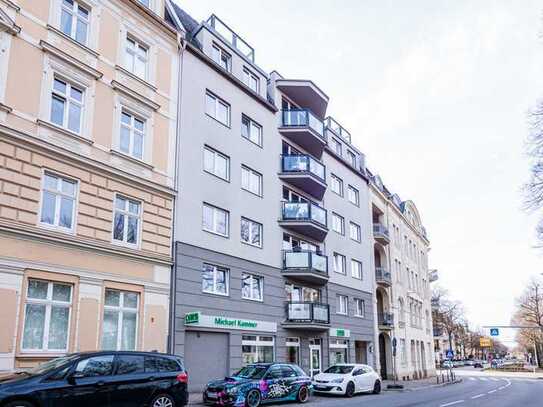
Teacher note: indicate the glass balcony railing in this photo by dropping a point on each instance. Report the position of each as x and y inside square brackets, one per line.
[302, 163]
[310, 312]
[380, 230]
[231, 37]
[385, 319]
[382, 275]
[304, 211]
[336, 128]
[302, 118]
[305, 260]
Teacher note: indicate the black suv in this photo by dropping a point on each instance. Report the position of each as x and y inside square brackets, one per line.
[99, 379]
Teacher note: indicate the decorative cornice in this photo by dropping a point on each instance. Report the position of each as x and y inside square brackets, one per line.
[131, 159]
[51, 49]
[64, 131]
[135, 77]
[5, 108]
[71, 40]
[135, 95]
[146, 11]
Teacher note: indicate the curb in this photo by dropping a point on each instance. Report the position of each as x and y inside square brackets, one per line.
[431, 386]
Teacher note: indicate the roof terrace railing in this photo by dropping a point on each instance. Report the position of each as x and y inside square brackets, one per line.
[338, 129]
[231, 37]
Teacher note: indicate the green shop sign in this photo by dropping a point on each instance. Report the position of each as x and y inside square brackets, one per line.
[340, 332]
[213, 321]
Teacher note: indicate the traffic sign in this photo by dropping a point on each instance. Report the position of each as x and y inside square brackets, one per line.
[450, 354]
[485, 342]
[494, 332]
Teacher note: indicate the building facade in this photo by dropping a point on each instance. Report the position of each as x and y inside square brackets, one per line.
[88, 121]
[402, 293]
[271, 261]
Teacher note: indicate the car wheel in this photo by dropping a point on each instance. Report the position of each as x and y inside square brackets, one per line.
[253, 399]
[303, 394]
[19, 404]
[349, 390]
[163, 400]
[377, 387]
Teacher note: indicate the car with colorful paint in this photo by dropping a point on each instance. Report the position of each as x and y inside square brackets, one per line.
[347, 379]
[260, 383]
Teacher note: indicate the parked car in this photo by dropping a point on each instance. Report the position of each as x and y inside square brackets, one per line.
[469, 362]
[478, 364]
[347, 380]
[105, 379]
[260, 383]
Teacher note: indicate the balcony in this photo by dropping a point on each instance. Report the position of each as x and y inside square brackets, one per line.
[380, 234]
[304, 172]
[304, 93]
[385, 320]
[306, 218]
[307, 316]
[231, 37]
[306, 266]
[337, 129]
[305, 129]
[383, 277]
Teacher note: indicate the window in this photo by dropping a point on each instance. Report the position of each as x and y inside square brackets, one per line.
[356, 269]
[251, 232]
[342, 304]
[216, 163]
[251, 80]
[359, 307]
[215, 279]
[257, 349]
[74, 20]
[67, 105]
[95, 367]
[339, 263]
[161, 364]
[252, 287]
[338, 351]
[336, 146]
[353, 195]
[220, 56]
[293, 350]
[354, 232]
[136, 58]
[337, 185]
[251, 180]
[251, 130]
[352, 158]
[338, 223]
[120, 326]
[215, 220]
[403, 352]
[218, 109]
[47, 316]
[58, 202]
[126, 221]
[130, 364]
[132, 135]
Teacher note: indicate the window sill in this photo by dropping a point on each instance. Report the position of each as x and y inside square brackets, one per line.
[218, 121]
[216, 294]
[251, 245]
[124, 244]
[24, 354]
[73, 41]
[58, 229]
[136, 77]
[216, 234]
[252, 193]
[64, 131]
[131, 159]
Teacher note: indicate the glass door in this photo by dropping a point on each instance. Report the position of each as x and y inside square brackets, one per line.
[314, 359]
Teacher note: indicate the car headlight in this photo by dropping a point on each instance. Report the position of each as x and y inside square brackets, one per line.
[232, 391]
[337, 381]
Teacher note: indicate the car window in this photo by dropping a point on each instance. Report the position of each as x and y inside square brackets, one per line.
[358, 372]
[130, 364]
[160, 364]
[95, 366]
[61, 374]
[339, 369]
[287, 371]
[275, 372]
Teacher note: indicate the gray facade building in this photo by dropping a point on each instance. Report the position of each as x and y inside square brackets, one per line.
[273, 233]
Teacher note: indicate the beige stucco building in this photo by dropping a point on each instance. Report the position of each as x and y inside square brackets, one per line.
[88, 119]
[402, 294]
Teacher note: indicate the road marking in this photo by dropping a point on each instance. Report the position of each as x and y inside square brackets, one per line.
[501, 388]
[491, 391]
[452, 404]
[484, 379]
[477, 396]
[494, 379]
[472, 378]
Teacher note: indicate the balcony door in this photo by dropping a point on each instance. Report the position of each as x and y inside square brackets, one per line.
[302, 294]
[291, 196]
[292, 243]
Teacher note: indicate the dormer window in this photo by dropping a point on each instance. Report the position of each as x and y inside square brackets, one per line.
[146, 3]
[221, 57]
[251, 80]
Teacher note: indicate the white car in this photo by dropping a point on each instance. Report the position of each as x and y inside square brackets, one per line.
[347, 379]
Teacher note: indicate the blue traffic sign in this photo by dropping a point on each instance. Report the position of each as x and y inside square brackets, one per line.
[450, 354]
[494, 332]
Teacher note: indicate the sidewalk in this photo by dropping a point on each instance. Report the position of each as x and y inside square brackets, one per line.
[411, 385]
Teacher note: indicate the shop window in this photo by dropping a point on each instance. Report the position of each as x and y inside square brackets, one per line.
[338, 351]
[257, 349]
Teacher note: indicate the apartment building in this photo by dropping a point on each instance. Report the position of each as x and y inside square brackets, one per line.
[88, 114]
[402, 285]
[271, 258]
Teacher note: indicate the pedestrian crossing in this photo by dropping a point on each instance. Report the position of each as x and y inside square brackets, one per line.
[498, 379]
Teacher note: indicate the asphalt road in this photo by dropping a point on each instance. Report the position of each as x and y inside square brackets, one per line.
[479, 391]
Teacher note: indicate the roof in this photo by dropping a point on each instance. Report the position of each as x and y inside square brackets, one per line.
[190, 25]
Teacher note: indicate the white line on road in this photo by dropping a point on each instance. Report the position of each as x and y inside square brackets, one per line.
[472, 378]
[452, 404]
[484, 379]
[477, 396]
[501, 388]
[491, 391]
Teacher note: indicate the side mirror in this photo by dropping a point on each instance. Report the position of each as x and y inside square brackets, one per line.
[71, 378]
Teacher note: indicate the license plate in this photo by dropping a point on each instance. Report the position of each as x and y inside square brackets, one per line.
[320, 387]
[212, 394]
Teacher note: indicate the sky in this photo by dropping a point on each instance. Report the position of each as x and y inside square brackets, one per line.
[436, 94]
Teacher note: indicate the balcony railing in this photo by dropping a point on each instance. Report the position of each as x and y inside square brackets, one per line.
[300, 163]
[308, 312]
[385, 319]
[379, 229]
[338, 129]
[302, 118]
[305, 260]
[231, 37]
[304, 211]
[382, 275]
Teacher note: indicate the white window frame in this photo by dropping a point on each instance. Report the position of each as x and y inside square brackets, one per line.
[252, 125]
[58, 196]
[215, 154]
[359, 308]
[252, 279]
[49, 303]
[214, 231]
[339, 183]
[356, 194]
[121, 309]
[352, 158]
[357, 229]
[342, 302]
[252, 224]
[247, 76]
[132, 133]
[227, 280]
[74, 12]
[67, 101]
[361, 271]
[218, 101]
[127, 214]
[343, 263]
[338, 220]
[251, 173]
[221, 53]
[130, 54]
[337, 147]
[258, 342]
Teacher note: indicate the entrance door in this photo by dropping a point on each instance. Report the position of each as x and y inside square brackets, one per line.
[206, 357]
[382, 356]
[360, 351]
[314, 359]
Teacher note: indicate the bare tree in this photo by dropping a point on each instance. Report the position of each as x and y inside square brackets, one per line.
[530, 313]
[448, 314]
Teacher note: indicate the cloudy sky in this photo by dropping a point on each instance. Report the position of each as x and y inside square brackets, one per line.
[436, 94]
